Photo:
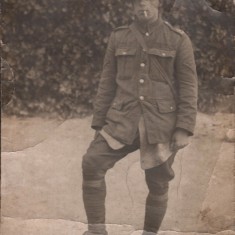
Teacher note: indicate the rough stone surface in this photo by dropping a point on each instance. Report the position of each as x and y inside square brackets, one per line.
[41, 181]
[64, 227]
[230, 135]
[20, 133]
[216, 212]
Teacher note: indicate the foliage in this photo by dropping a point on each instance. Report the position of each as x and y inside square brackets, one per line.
[211, 32]
[56, 48]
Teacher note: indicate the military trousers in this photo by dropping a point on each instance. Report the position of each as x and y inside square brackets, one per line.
[100, 157]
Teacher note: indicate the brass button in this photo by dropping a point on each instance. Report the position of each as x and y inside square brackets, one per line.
[163, 54]
[141, 81]
[141, 97]
[147, 34]
[171, 108]
[142, 65]
[124, 52]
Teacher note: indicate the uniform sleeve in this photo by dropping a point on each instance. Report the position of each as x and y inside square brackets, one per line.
[107, 86]
[187, 86]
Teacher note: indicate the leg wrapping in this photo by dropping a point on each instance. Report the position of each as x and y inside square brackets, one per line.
[94, 193]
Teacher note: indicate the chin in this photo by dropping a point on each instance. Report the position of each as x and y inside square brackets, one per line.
[143, 19]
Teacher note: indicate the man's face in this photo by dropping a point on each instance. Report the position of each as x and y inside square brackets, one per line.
[146, 10]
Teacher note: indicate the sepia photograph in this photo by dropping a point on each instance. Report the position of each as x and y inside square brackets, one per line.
[117, 117]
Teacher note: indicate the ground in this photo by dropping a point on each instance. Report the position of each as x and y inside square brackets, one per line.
[41, 181]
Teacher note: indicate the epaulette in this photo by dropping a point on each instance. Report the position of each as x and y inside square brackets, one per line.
[177, 30]
[121, 27]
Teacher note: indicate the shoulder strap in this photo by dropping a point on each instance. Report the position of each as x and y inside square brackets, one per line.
[141, 41]
[121, 27]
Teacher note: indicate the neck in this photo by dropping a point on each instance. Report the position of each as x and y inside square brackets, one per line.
[144, 23]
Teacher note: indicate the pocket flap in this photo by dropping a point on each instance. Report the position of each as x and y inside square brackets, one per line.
[117, 105]
[166, 106]
[162, 53]
[125, 51]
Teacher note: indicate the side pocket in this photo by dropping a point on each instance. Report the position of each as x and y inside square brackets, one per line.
[166, 106]
[162, 53]
[117, 105]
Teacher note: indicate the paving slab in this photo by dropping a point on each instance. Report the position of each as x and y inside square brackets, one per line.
[216, 212]
[41, 181]
[19, 133]
[62, 227]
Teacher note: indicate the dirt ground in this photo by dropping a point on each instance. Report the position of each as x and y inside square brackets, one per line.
[41, 180]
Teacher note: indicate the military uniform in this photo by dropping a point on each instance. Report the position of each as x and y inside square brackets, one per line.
[143, 97]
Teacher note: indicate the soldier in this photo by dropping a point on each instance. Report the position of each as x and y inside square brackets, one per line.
[147, 100]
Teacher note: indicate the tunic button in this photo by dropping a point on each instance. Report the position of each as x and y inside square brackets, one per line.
[141, 98]
[163, 54]
[147, 34]
[171, 107]
[141, 81]
[142, 65]
[124, 52]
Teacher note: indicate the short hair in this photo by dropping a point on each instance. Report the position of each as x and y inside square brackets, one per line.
[165, 5]
[160, 1]
[160, 7]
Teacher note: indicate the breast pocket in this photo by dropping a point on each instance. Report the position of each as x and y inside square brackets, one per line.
[125, 62]
[162, 53]
[166, 60]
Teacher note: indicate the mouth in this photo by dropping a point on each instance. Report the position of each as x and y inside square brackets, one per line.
[142, 11]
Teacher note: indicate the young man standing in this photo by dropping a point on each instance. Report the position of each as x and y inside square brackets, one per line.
[147, 100]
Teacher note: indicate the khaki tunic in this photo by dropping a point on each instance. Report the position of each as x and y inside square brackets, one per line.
[151, 155]
[133, 88]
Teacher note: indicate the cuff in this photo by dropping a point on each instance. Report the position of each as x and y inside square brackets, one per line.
[186, 127]
[182, 129]
[97, 123]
